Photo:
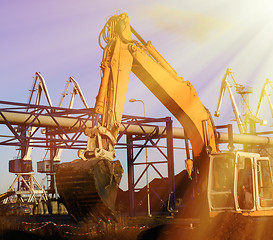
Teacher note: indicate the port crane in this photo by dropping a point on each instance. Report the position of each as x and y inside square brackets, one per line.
[88, 185]
[49, 166]
[246, 121]
[25, 186]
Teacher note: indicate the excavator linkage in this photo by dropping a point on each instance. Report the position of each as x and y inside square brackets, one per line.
[88, 188]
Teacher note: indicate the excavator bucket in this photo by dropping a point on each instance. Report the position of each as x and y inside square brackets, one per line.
[88, 188]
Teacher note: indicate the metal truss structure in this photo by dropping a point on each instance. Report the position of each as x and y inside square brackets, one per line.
[45, 127]
[54, 128]
[135, 144]
[64, 128]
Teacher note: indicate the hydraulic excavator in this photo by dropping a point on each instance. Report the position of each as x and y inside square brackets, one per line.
[88, 186]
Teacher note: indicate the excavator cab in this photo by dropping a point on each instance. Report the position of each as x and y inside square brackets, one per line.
[240, 182]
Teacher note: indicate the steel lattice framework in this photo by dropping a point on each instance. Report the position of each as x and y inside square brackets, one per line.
[64, 128]
[134, 149]
[61, 127]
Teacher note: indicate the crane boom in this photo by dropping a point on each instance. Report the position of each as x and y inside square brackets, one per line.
[226, 85]
[264, 92]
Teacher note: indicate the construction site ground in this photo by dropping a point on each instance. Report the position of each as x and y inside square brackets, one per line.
[226, 226]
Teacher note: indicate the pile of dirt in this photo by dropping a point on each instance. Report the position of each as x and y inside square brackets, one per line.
[160, 186]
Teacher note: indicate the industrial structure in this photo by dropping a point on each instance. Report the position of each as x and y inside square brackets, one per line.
[25, 186]
[88, 185]
[246, 120]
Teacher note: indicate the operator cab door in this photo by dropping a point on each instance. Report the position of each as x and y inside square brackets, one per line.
[245, 181]
[254, 186]
[221, 182]
[231, 182]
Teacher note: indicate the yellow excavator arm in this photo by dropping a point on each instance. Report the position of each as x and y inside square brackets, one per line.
[123, 55]
[88, 186]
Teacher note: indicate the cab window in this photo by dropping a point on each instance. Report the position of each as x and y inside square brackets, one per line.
[265, 186]
[245, 184]
[223, 170]
[222, 184]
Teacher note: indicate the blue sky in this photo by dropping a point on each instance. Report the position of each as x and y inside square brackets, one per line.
[200, 39]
